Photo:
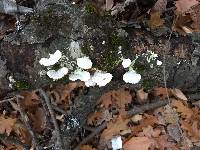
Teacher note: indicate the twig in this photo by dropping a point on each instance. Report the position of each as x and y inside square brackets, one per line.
[10, 99]
[13, 140]
[147, 107]
[28, 126]
[57, 130]
[90, 136]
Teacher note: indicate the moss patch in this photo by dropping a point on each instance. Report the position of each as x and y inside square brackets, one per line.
[21, 85]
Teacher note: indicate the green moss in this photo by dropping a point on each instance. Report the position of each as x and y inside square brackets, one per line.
[85, 49]
[21, 85]
[148, 84]
[90, 8]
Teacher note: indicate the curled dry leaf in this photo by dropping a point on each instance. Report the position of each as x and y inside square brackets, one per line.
[184, 5]
[22, 132]
[178, 94]
[61, 94]
[155, 20]
[117, 98]
[150, 132]
[6, 124]
[139, 143]
[38, 119]
[141, 96]
[148, 120]
[181, 108]
[30, 99]
[87, 147]
[161, 92]
[94, 118]
[114, 128]
[160, 6]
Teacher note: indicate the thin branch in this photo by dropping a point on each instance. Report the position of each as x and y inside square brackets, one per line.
[147, 107]
[91, 136]
[57, 130]
[28, 126]
[11, 99]
[13, 140]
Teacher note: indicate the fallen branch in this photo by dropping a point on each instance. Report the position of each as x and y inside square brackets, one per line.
[10, 99]
[50, 109]
[13, 140]
[90, 136]
[28, 126]
[147, 107]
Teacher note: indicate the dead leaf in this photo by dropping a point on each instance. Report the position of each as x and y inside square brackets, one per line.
[174, 132]
[164, 143]
[193, 129]
[30, 99]
[61, 94]
[38, 119]
[141, 96]
[87, 147]
[161, 92]
[94, 117]
[148, 120]
[116, 98]
[139, 143]
[22, 132]
[6, 124]
[114, 128]
[181, 108]
[150, 132]
[160, 6]
[155, 20]
[184, 5]
[178, 94]
[170, 116]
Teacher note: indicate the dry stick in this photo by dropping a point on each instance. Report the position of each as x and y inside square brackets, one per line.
[147, 107]
[90, 136]
[28, 126]
[57, 130]
[13, 140]
[10, 99]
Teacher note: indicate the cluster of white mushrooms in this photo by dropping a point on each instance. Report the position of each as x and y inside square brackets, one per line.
[99, 78]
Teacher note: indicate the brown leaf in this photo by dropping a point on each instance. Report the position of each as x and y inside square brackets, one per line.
[164, 143]
[87, 147]
[148, 120]
[161, 92]
[6, 125]
[94, 117]
[181, 108]
[139, 143]
[30, 99]
[114, 127]
[184, 5]
[160, 6]
[61, 94]
[22, 132]
[38, 119]
[178, 94]
[192, 129]
[118, 98]
[141, 96]
[150, 132]
[155, 20]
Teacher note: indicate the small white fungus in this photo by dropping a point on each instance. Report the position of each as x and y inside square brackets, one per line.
[54, 58]
[90, 83]
[159, 62]
[84, 63]
[79, 75]
[55, 75]
[131, 77]
[116, 143]
[103, 42]
[101, 78]
[126, 63]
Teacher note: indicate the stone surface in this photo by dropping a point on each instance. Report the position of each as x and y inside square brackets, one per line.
[77, 30]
